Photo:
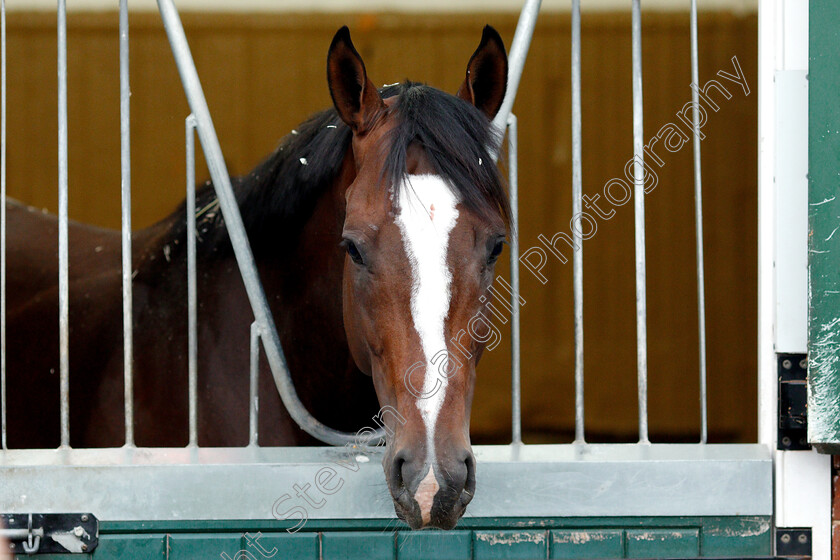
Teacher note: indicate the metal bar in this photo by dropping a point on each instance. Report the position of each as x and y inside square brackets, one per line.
[639, 195]
[768, 375]
[192, 293]
[516, 59]
[608, 481]
[515, 356]
[254, 400]
[63, 280]
[577, 193]
[698, 217]
[3, 443]
[125, 167]
[239, 239]
[21, 534]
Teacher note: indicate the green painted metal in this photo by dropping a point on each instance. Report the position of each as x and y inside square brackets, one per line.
[207, 545]
[823, 223]
[131, 546]
[736, 537]
[587, 543]
[656, 543]
[358, 545]
[421, 545]
[280, 545]
[475, 538]
[516, 543]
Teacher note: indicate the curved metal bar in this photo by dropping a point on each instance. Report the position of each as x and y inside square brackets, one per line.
[516, 63]
[239, 239]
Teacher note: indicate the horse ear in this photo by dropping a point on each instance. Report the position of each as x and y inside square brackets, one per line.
[486, 80]
[353, 94]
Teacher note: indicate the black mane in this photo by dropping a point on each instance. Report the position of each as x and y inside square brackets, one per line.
[279, 195]
[455, 137]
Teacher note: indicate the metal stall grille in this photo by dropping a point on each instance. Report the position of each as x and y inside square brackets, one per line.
[624, 493]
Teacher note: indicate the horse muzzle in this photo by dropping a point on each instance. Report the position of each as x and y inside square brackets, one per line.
[431, 495]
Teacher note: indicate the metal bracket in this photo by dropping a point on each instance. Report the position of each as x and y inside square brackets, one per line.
[44, 533]
[793, 393]
[793, 542]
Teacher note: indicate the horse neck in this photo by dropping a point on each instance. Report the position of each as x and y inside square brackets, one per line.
[306, 282]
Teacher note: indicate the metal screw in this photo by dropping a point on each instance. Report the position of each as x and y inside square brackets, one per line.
[12, 546]
[803, 363]
[84, 547]
[11, 521]
[803, 538]
[785, 538]
[85, 518]
[786, 443]
[786, 364]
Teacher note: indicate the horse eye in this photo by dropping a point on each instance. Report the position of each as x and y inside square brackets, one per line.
[354, 253]
[497, 250]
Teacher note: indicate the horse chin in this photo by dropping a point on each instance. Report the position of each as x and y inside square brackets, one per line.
[410, 514]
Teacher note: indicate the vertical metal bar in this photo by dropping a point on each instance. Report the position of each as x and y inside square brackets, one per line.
[63, 281]
[698, 217]
[639, 195]
[3, 444]
[577, 193]
[125, 168]
[515, 359]
[516, 58]
[254, 396]
[192, 314]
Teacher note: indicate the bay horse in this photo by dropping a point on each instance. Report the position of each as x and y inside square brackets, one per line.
[375, 227]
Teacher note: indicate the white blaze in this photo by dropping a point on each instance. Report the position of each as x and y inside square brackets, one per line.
[427, 214]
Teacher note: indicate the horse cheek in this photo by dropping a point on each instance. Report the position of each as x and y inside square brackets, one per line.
[353, 321]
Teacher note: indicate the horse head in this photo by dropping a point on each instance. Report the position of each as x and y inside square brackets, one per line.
[426, 219]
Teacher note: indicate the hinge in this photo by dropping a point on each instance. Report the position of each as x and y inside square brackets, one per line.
[793, 395]
[45, 533]
[793, 542]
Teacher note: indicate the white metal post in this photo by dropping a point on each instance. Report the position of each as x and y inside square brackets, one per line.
[802, 478]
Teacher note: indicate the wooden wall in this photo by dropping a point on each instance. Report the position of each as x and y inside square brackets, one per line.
[263, 74]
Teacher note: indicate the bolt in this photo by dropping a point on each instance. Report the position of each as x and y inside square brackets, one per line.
[785, 538]
[85, 518]
[11, 546]
[11, 521]
[803, 363]
[786, 364]
[84, 547]
[786, 441]
[78, 531]
[802, 538]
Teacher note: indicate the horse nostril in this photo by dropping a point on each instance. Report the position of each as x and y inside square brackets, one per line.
[469, 485]
[398, 480]
[396, 477]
